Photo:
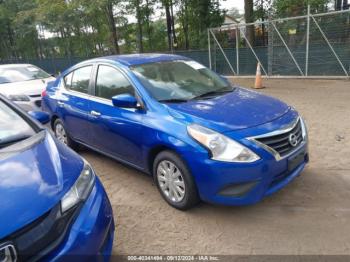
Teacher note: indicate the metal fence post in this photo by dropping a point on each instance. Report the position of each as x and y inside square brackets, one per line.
[209, 49]
[237, 50]
[307, 42]
[270, 48]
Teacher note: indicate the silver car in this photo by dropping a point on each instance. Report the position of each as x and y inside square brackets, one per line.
[23, 84]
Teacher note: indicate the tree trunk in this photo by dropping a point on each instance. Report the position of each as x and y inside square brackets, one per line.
[249, 18]
[139, 26]
[112, 26]
[338, 4]
[149, 33]
[168, 23]
[11, 41]
[185, 24]
[173, 23]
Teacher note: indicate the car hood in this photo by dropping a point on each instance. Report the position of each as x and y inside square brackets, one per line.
[31, 87]
[239, 109]
[33, 178]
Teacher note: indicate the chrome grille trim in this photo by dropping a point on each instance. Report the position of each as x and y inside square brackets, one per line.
[284, 130]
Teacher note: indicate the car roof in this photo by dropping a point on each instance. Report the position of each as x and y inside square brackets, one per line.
[138, 59]
[14, 65]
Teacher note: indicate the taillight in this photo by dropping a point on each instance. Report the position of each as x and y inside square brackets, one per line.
[43, 93]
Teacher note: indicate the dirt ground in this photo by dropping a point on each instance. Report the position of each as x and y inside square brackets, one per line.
[310, 216]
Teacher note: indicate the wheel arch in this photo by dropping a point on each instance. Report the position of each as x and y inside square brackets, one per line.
[153, 152]
[53, 119]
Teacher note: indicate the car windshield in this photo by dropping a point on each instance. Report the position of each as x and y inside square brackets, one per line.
[180, 81]
[12, 74]
[13, 128]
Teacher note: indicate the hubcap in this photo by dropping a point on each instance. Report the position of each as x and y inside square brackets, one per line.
[171, 181]
[61, 133]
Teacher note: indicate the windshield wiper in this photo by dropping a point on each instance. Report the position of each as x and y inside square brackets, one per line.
[214, 93]
[173, 100]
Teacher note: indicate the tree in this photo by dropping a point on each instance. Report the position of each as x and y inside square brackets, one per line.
[287, 8]
[184, 20]
[249, 18]
[166, 5]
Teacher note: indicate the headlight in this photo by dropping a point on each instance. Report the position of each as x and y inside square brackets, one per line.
[304, 130]
[80, 190]
[221, 147]
[22, 98]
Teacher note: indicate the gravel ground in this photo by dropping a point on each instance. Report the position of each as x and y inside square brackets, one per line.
[310, 216]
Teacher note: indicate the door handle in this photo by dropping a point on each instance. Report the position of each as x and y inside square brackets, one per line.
[94, 113]
[60, 104]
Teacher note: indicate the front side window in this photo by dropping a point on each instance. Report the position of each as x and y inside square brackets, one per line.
[19, 73]
[111, 82]
[13, 128]
[179, 80]
[79, 79]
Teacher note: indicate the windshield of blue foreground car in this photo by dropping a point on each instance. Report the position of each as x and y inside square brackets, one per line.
[13, 128]
[14, 74]
[180, 81]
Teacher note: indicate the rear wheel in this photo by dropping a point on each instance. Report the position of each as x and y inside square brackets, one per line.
[174, 181]
[62, 135]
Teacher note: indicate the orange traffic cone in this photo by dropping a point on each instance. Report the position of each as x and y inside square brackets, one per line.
[258, 80]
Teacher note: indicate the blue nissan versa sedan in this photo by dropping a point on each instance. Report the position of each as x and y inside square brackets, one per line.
[199, 136]
[52, 205]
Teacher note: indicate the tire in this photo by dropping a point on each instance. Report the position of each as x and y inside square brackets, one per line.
[174, 181]
[62, 135]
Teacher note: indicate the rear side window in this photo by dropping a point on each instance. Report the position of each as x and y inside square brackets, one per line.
[111, 82]
[79, 79]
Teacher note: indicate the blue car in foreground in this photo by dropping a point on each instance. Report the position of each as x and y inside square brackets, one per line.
[52, 205]
[201, 137]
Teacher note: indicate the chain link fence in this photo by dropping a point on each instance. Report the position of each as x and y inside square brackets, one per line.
[308, 45]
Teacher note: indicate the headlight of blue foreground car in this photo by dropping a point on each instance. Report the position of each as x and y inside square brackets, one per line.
[81, 188]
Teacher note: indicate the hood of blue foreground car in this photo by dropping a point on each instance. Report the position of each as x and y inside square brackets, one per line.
[34, 176]
[239, 109]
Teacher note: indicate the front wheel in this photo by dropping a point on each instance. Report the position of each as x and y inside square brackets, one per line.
[174, 181]
[61, 134]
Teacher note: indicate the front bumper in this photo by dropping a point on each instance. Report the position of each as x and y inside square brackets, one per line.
[248, 183]
[90, 237]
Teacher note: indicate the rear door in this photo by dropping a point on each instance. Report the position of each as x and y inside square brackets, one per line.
[73, 103]
[115, 131]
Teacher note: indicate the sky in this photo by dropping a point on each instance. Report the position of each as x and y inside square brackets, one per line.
[228, 4]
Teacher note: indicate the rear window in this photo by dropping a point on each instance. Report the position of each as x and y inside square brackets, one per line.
[13, 128]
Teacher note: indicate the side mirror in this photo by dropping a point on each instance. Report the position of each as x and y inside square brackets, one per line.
[124, 100]
[42, 117]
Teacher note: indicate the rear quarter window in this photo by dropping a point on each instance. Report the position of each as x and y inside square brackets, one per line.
[79, 79]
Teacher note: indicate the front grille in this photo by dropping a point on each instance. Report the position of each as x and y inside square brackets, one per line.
[42, 235]
[286, 142]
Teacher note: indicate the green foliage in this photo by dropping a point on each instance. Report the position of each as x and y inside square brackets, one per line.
[68, 28]
[286, 8]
